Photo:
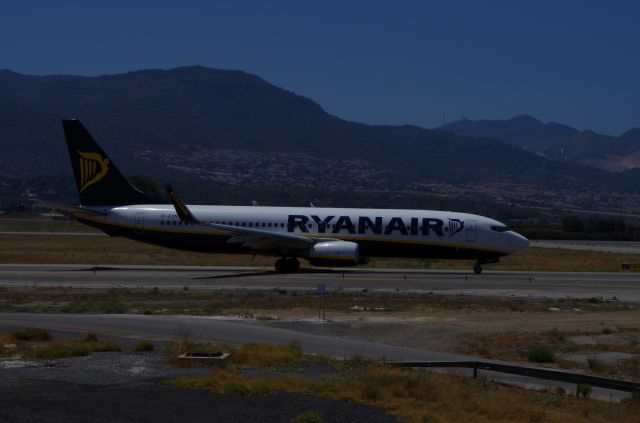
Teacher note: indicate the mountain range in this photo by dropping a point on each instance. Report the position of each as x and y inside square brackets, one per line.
[231, 128]
[556, 141]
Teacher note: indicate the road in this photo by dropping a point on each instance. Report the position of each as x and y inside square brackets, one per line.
[623, 286]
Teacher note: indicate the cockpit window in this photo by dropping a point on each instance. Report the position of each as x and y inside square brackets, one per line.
[500, 228]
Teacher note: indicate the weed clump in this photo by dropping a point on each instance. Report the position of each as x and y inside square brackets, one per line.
[584, 390]
[115, 307]
[32, 335]
[556, 335]
[91, 337]
[541, 355]
[594, 363]
[144, 346]
[371, 392]
[307, 417]
[233, 388]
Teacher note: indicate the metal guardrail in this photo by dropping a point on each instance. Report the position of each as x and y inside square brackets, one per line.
[548, 374]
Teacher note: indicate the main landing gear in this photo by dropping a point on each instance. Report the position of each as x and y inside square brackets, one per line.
[477, 268]
[289, 265]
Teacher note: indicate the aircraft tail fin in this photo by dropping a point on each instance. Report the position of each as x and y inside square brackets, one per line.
[98, 180]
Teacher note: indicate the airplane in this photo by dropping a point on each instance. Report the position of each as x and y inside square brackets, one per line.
[322, 236]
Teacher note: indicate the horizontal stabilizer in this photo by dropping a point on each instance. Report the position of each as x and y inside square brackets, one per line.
[71, 209]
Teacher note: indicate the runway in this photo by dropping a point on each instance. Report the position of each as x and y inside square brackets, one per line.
[621, 286]
[620, 247]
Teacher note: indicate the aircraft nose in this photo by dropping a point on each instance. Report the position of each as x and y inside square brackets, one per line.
[518, 242]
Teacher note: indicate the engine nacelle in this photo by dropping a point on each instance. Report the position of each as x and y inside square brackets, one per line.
[334, 253]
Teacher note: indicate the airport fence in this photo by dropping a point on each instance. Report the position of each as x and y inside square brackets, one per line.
[556, 375]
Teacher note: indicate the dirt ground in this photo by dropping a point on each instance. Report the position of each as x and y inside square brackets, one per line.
[445, 330]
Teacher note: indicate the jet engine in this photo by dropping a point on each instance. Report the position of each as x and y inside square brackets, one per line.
[334, 253]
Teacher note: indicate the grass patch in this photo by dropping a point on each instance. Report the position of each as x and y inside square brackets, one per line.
[115, 307]
[36, 343]
[66, 349]
[262, 303]
[419, 396]
[248, 356]
[266, 356]
[32, 335]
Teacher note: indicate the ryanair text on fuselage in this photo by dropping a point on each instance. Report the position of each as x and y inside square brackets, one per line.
[364, 224]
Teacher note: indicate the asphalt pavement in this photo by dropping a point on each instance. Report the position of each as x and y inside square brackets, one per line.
[624, 286]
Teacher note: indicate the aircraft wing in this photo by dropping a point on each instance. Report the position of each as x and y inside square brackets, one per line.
[256, 239]
[264, 240]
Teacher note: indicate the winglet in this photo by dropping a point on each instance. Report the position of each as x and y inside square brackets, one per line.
[183, 211]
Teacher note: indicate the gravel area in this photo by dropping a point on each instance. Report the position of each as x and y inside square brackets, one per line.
[128, 387]
[98, 369]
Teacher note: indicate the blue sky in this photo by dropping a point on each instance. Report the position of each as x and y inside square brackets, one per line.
[575, 62]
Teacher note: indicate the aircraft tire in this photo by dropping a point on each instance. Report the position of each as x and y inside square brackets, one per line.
[293, 264]
[281, 265]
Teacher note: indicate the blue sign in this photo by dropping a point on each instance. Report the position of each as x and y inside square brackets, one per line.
[321, 289]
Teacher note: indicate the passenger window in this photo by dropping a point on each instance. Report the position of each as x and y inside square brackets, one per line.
[269, 224]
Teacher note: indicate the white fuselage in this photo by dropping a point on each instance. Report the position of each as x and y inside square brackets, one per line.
[379, 232]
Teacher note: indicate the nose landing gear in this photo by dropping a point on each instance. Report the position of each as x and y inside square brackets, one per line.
[289, 265]
[477, 268]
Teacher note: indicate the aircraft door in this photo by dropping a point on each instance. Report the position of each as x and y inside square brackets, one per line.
[471, 230]
[139, 223]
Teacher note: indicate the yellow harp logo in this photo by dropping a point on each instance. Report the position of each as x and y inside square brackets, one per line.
[93, 167]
